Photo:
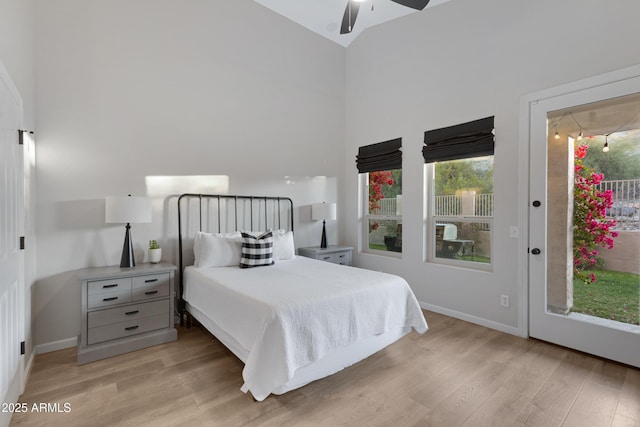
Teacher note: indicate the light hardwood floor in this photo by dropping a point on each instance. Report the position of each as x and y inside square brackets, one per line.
[457, 374]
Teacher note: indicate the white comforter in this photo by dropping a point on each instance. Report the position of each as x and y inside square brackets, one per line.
[293, 313]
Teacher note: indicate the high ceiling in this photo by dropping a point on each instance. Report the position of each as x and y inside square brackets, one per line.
[324, 16]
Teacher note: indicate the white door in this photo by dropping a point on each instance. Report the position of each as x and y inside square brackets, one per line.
[547, 268]
[11, 226]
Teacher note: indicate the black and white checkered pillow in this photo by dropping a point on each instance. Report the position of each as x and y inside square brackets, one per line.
[256, 251]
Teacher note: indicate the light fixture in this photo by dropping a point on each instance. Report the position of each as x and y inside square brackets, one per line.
[605, 149]
[127, 210]
[580, 135]
[323, 212]
[557, 136]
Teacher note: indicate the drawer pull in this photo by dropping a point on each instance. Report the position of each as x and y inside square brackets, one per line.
[326, 257]
[110, 299]
[151, 292]
[115, 285]
[150, 280]
[130, 313]
[131, 328]
[342, 256]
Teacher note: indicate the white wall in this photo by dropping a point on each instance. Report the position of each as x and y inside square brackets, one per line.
[17, 51]
[461, 61]
[129, 90]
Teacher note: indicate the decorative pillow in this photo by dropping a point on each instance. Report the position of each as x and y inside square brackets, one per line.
[216, 250]
[256, 251]
[283, 246]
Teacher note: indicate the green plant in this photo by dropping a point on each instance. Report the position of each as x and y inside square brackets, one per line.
[153, 244]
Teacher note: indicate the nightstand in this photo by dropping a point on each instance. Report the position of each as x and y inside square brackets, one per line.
[334, 254]
[125, 309]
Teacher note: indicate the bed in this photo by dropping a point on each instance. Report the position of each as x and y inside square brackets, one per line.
[293, 320]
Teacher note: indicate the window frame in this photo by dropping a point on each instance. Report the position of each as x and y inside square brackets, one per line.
[432, 220]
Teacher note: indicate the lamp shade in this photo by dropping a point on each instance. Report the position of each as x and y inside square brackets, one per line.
[127, 209]
[323, 211]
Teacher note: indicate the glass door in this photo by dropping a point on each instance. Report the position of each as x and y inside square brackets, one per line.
[584, 247]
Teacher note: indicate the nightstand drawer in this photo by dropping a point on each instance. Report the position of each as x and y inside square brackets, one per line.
[125, 329]
[148, 287]
[107, 286]
[334, 254]
[108, 299]
[343, 258]
[125, 314]
[336, 258]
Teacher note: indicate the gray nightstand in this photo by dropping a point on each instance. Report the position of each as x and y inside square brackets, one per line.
[334, 254]
[125, 309]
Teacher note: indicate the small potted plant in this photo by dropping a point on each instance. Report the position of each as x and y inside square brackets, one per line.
[155, 252]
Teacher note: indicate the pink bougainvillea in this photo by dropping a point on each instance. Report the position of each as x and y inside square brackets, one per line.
[591, 228]
[376, 181]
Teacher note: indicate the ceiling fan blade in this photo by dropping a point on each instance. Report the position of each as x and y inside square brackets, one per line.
[413, 4]
[349, 19]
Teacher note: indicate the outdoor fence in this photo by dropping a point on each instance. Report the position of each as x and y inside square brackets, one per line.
[625, 209]
[388, 207]
[469, 204]
[626, 202]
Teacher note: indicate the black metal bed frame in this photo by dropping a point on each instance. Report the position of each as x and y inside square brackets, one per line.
[276, 203]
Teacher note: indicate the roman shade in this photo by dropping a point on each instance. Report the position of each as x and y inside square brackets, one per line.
[471, 139]
[380, 157]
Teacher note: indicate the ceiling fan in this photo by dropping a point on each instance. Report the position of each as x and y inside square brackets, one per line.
[351, 11]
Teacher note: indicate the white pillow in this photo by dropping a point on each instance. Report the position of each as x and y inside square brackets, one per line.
[283, 245]
[216, 250]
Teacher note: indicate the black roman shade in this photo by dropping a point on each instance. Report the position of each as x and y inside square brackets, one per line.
[471, 139]
[380, 157]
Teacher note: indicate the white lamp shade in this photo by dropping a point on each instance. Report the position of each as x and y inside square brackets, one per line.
[323, 211]
[127, 209]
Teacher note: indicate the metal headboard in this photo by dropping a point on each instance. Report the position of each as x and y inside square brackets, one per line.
[222, 213]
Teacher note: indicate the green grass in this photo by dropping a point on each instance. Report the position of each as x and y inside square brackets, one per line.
[475, 258]
[614, 295]
[377, 247]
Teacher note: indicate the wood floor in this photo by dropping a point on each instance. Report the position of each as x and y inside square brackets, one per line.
[457, 374]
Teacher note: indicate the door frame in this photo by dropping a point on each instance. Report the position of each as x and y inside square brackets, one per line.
[525, 301]
[17, 379]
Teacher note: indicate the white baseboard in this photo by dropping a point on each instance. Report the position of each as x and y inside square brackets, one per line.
[56, 345]
[472, 319]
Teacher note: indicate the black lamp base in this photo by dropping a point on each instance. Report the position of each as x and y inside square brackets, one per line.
[127, 259]
[323, 242]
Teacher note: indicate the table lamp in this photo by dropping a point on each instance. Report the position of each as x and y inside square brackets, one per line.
[127, 209]
[323, 211]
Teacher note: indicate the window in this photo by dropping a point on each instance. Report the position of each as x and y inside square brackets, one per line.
[459, 168]
[384, 210]
[380, 166]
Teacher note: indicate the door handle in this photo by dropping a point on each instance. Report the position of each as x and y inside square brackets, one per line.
[535, 251]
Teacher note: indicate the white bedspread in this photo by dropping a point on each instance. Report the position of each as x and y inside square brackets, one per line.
[291, 314]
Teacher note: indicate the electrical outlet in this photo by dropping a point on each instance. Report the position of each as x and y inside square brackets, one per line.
[513, 232]
[504, 300]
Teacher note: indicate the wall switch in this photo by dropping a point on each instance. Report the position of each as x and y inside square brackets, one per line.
[504, 301]
[513, 232]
